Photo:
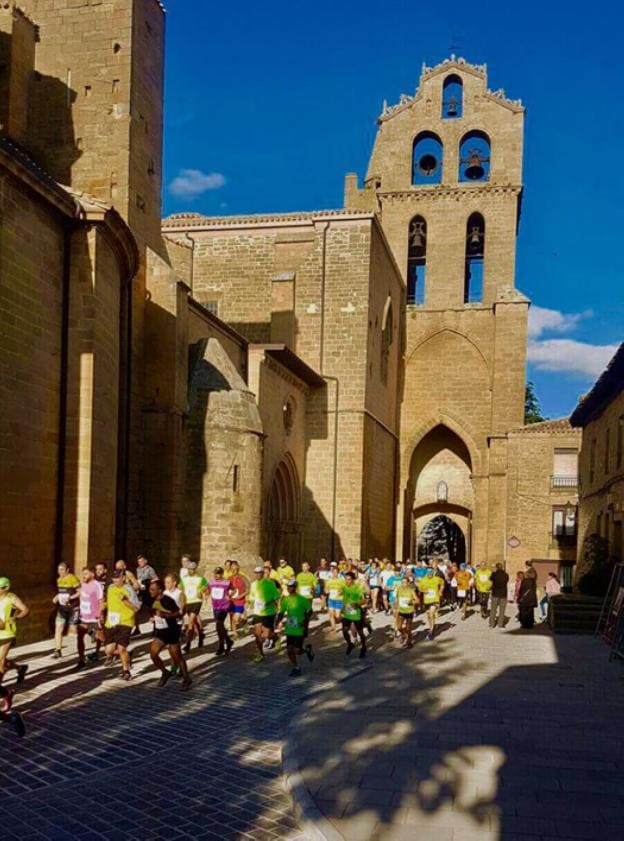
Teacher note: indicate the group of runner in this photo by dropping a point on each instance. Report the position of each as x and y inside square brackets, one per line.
[108, 606]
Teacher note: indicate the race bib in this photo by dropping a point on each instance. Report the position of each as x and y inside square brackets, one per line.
[431, 594]
[160, 623]
[306, 591]
[85, 607]
[293, 622]
[217, 592]
[404, 602]
[63, 599]
[335, 595]
[461, 593]
[191, 592]
[113, 619]
[259, 606]
[350, 611]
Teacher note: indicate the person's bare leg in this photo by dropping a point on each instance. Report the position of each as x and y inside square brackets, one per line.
[175, 652]
[124, 656]
[155, 648]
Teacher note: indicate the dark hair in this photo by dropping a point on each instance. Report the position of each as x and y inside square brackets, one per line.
[218, 570]
[349, 574]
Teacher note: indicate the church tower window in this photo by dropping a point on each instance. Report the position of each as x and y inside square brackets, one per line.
[452, 98]
[416, 261]
[427, 159]
[474, 157]
[475, 250]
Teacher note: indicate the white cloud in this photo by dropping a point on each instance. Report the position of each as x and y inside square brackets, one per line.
[190, 183]
[543, 320]
[569, 356]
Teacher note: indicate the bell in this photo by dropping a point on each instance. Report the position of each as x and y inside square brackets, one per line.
[475, 238]
[417, 235]
[451, 109]
[474, 170]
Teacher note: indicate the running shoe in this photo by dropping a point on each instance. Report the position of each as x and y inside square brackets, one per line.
[296, 672]
[350, 648]
[363, 652]
[430, 635]
[278, 646]
[259, 658]
[229, 645]
[200, 640]
[174, 671]
[57, 653]
[186, 684]
[79, 666]
[125, 675]
[220, 651]
[17, 722]
[21, 674]
[93, 657]
[164, 678]
[309, 652]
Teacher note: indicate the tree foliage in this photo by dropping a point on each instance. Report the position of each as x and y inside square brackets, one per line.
[532, 408]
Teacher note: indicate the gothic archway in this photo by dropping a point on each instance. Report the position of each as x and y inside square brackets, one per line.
[441, 537]
[283, 517]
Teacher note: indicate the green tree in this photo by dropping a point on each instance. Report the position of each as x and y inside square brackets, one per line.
[532, 408]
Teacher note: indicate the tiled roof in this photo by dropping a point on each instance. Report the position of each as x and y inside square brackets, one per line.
[187, 220]
[554, 425]
[608, 385]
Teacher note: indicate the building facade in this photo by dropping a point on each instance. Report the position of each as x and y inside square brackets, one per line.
[330, 383]
[600, 416]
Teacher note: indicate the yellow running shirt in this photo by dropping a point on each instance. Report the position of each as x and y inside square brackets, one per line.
[431, 586]
[483, 580]
[7, 603]
[118, 610]
[406, 599]
[334, 588]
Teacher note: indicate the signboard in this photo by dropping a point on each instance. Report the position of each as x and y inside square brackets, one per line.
[513, 542]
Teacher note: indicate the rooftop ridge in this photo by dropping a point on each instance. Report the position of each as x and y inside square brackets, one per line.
[551, 425]
[177, 220]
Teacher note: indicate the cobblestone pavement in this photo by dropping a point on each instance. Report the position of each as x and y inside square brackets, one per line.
[482, 734]
[479, 734]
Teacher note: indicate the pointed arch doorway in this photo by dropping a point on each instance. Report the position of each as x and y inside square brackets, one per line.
[441, 537]
[283, 517]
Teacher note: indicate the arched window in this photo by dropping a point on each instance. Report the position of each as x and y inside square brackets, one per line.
[387, 331]
[427, 159]
[474, 157]
[475, 250]
[452, 97]
[416, 261]
[442, 492]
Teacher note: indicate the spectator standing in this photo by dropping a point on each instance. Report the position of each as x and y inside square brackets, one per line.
[552, 588]
[500, 580]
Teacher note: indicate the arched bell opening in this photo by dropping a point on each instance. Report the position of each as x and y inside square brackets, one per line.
[474, 157]
[427, 159]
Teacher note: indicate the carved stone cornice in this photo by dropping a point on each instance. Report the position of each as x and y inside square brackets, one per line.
[442, 192]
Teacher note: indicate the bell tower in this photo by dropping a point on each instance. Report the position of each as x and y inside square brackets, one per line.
[445, 177]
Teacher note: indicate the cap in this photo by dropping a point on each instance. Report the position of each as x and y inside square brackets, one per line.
[333, 564]
[118, 573]
[192, 564]
[291, 583]
[258, 569]
[5, 583]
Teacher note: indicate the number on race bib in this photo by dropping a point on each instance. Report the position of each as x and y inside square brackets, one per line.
[306, 591]
[113, 619]
[259, 606]
[217, 592]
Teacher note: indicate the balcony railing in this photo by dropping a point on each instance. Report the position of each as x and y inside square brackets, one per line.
[564, 481]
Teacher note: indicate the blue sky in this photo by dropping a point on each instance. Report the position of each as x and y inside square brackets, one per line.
[271, 103]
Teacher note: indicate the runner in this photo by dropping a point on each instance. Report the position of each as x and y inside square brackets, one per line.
[173, 590]
[374, 582]
[91, 599]
[386, 574]
[362, 577]
[306, 583]
[167, 633]
[322, 574]
[193, 586]
[285, 573]
[184, 562]
[12, 608]
[297, 610]
[269, 572]
[264, 596]
[483, 584]
[6, 716]
[67, 606]
[334, 586]
[431, 587]
[354, 597]
[405, 605]
[220, 588]
[238, 598]
[120, 611]
[145, 573]
[464, 583]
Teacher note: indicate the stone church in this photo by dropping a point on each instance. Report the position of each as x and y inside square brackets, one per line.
[323, 383]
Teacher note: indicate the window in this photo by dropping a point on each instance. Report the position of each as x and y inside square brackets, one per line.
[416, 261]
[592, 460]
[474, 157]
[211, 306]
[564, 521]
[607, 451]
[427, 159]
[565, 468]
[452, 97]
[619, 453]
[387, 329]
[442, 492]
[236, 478]
[475, 249]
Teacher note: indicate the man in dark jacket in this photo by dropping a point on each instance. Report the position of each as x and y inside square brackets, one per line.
[500, 579]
